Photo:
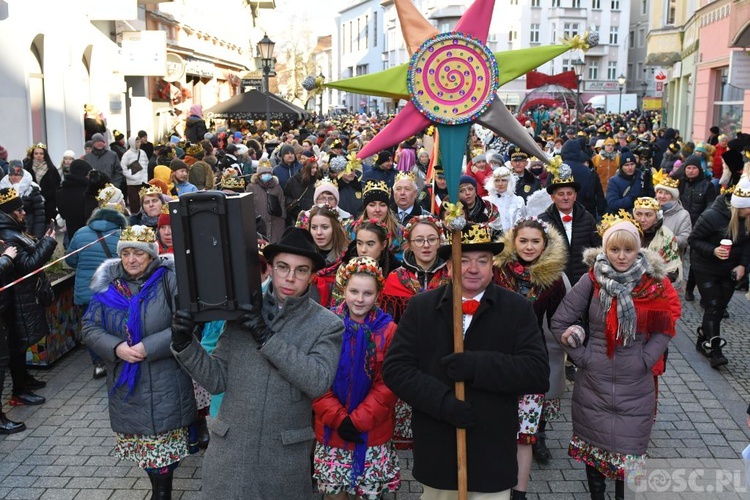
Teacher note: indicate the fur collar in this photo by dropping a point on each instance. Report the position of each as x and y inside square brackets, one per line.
[109, 215]
[110, 269]
[656, 267]
[550, 265]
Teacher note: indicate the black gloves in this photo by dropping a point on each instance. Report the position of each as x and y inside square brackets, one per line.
[455, 412]
[348, 432]
[460, 366]
[253, 321]
[182, 330]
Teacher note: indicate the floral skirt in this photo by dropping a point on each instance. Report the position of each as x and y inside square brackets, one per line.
[382, 473]
[529, 414]
[402, 436]
[202, 396]
[612, 464]
[551, 410]
[153, 452]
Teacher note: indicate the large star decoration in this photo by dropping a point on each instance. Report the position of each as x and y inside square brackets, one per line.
[452, 80]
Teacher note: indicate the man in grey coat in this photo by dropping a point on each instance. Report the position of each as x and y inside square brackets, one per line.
[104, 160]
[270, 365]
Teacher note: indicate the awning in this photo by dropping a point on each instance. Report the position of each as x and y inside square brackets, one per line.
[251, 105]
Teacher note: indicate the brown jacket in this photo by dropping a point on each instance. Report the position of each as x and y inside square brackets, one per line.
[605, 168]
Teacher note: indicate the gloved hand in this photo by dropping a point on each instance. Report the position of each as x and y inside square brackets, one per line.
[348, 432]
[460, 366]
[182, 330]
[253, 321]
[457, 413]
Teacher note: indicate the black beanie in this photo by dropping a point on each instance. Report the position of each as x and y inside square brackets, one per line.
[9, 200]
[81, 168]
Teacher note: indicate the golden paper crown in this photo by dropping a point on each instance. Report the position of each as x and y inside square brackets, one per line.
[142, 234]
[10, 195]
[232, 182]
[353, 163]
[376, 186]
[194, 149]
[326, 180]
[647, 202]
[145, 191]
[165, 209]
[405, 176]
[609, 220]
[739, 192]
[264, 163]
[106, 194]
[662, 179]
[476, 234]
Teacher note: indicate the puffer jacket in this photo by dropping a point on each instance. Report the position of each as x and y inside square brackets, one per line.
[163, 398]
[86, 262]
[622, 191]
[613, 397]
[131, 155]
[707, 234]
[29, 319]
[696, 196]
[677, 219]
[6, 270]
[33, 203]
[195, 128]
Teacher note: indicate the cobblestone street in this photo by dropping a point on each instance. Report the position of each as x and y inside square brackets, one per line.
[66, 452]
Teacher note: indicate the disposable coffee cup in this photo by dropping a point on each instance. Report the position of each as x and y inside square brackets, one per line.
[726, 244]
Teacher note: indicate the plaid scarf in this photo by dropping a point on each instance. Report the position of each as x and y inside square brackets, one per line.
[619, 285]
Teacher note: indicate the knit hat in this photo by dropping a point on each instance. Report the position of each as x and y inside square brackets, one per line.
[97, 138]
[286, 149]
[264, 167]
[109, 194]
[375, 191]
[478, 158]
[666, 183]
[674, 147]
[69, 153]
[9, 200]
[741, 194]
[164, 218]
[80, 168]
[626, 156]
[138, 237]
[200, 174]
[608, 140]
[383, 157]
[15, 167]
[693, 160]
[326, 185]
[118, 135]
[176, 165]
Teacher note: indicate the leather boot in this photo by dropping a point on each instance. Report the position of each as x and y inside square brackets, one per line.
[717, 357]
[33, 384]
[597, 484]
[539, 449]
[162, 489]
[203, 435]
[713, 343]
[517, 495]
[620, 489]
[699, 342]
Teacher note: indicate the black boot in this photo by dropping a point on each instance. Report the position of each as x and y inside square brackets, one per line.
[597, 484]
[162, 486]
[203, 435]
[517, 495]
[699, 342]
[33, 384]
[713, 343]
[619, 489]
[539, 449]
[717, 357]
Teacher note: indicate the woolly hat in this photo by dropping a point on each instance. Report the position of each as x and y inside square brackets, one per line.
[666, 183]
[9, 200]
[693, 160]
[69, 153]
[383, 157]
[478, 158]
[97, 138]
[286, 149]
[264, 167]
[109, 194]
[326, 185]
[741, 194]
[375, 191]
[80, 168]
[15, 167]
[466, 179]
[176, 165]
[626, 156]
[608, 140]
[164, 220]
[139, 237]
[118, 135]
[622, 225]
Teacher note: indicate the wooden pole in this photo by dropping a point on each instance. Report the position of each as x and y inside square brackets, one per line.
[458, 346]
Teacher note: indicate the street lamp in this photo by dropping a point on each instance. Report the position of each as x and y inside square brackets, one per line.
[265, 48]
[374, 106]
[578, 65]
[621, 82]
[322, 78]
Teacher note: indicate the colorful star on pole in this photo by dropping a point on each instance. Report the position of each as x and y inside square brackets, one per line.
[451, 81]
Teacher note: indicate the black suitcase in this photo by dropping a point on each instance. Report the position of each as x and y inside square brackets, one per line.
[215, 253]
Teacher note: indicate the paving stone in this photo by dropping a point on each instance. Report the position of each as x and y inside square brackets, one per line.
[25, 493]
[85, 482]
[93, 495]
[59, 494]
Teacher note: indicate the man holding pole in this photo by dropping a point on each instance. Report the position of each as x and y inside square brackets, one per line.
[504, 357]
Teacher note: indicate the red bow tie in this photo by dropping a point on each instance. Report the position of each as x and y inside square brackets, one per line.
[567, 218]
[470, 306]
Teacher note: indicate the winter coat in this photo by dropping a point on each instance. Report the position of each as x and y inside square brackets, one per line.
[403, 283]
[661, 145]
[547, 284]
[71, 200]
[195, 128]
[510, 360]
[106, 161]
[163, 398]
[677, 219]
[571, 155]
[378, 174]
[33, 204]
[29, 318]
[274, 224]
[374, 415]
[350, 195]
[131, 155]
[583, 236]
[526, 184]
[284, 172]
[87, 261]
[261, 437]
[6, 299]
[605, 168]
[613, 398]
[707, 233]
[622, 191]
[510, 207]
[48, 185]
[296, 190]
[696, 196]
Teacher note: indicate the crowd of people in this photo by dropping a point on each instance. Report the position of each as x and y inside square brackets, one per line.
[584, 255]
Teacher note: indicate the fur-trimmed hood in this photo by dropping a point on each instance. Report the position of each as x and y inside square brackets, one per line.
[656, 267]
[550, 265]
[111, 269]
[109, 215]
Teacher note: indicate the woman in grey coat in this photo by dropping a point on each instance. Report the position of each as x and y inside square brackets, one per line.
[631, 309]
[151, 400]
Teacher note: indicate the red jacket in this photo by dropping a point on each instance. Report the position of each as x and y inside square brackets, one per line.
[374, 415]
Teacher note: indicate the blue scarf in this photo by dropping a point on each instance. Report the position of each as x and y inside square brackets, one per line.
[356, 372]
[116, 299]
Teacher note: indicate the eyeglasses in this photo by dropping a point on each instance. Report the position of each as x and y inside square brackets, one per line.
[326, 199]
[283, 270]
[430, 242]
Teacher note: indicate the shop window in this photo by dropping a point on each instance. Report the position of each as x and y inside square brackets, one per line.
[728, 104]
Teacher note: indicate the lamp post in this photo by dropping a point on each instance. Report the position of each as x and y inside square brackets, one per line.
[265, 48]
[322, 77]
[374, 106]
[578, 65]
[621, 83]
